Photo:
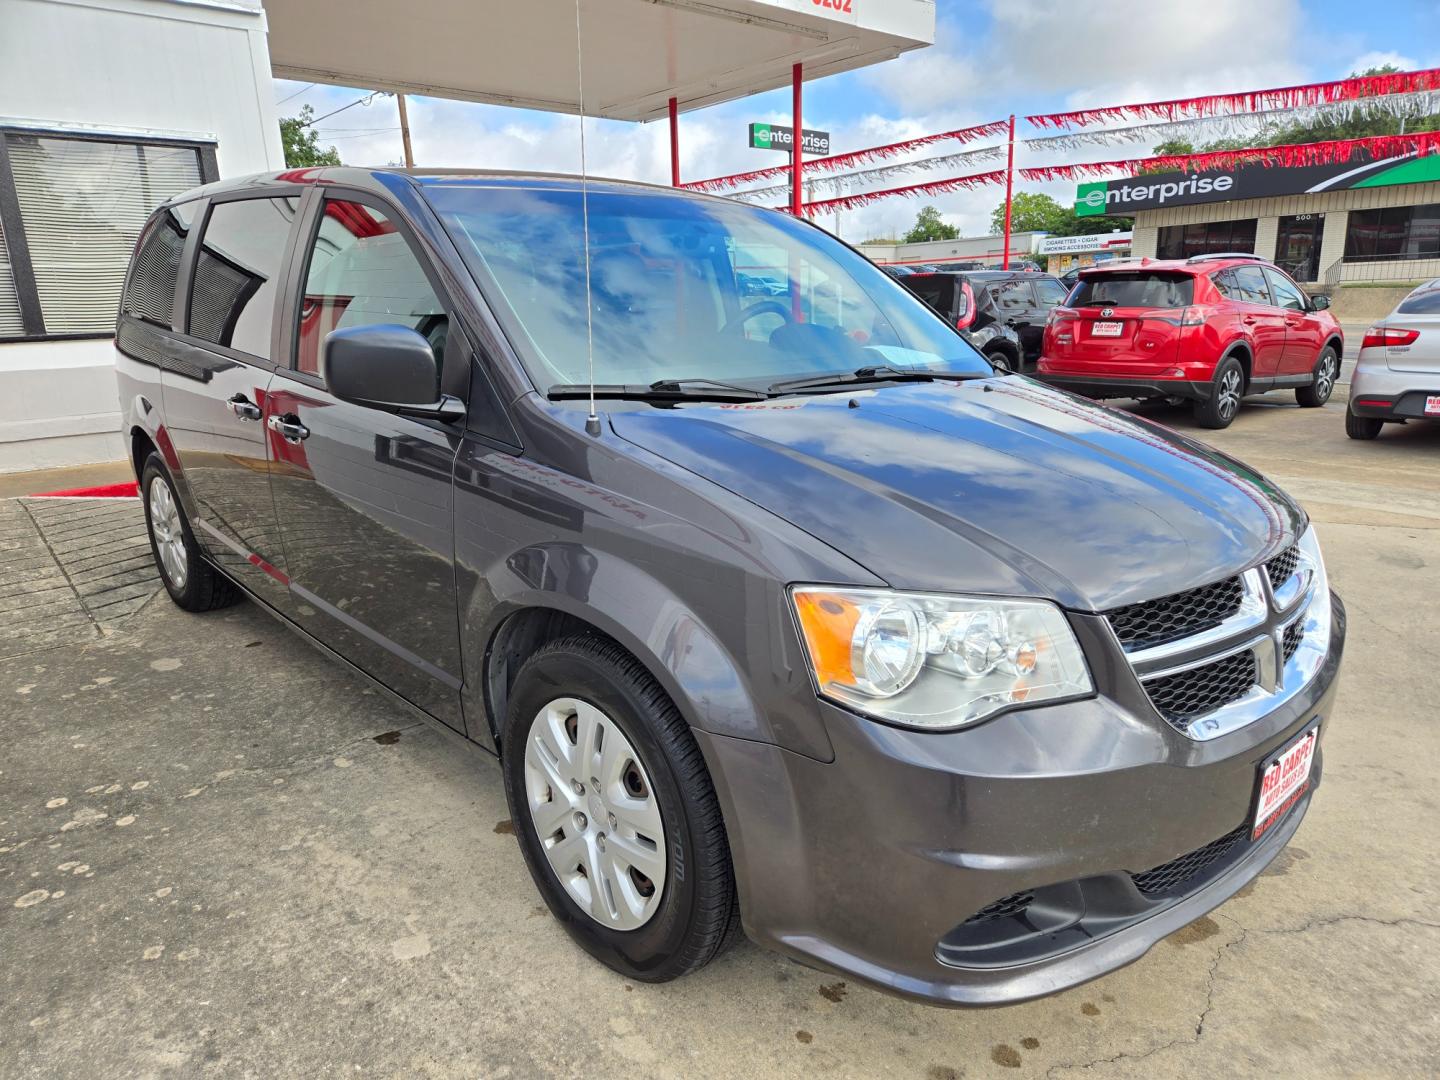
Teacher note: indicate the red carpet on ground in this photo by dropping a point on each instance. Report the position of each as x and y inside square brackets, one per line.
[129, 490]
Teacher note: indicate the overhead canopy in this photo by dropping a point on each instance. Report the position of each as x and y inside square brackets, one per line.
[637, 53]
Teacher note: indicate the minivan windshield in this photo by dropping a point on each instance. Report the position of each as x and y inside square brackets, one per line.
[684, 288]
[1134, 289]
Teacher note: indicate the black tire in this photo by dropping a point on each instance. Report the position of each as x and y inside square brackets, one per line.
[203, 588]
[698, 914]
[1362, 427]
[1004, 361]
[1327, 370]
[1226, 389]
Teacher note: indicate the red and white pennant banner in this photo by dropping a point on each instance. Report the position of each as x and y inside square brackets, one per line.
[855, 157]
[1299, 154]
[934, 187]
[1245, 125]
[1284, 97]
[886, 172]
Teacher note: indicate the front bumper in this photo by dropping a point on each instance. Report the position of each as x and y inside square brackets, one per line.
[868, 865]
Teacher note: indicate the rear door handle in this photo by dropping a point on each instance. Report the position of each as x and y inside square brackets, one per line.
[289, 427]
[1249, 320]
[243, 407]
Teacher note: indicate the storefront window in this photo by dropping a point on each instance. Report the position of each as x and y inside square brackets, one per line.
[1393, 232]
[71, 213]
[1205, 238]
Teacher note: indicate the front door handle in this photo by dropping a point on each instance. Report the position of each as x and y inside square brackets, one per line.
[243, 407]
[1249, 320]
[289, 427]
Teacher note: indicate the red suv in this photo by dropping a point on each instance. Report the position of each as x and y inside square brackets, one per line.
[1210, 330]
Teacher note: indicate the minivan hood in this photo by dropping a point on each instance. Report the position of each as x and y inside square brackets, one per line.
[1000, 486]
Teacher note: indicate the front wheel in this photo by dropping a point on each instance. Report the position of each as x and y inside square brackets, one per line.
[1226, 390]
[1002, 361]
[615, 812]
[1362, 427]
[1327, 370]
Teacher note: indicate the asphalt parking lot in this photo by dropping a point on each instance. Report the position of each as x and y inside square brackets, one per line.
[221, 854]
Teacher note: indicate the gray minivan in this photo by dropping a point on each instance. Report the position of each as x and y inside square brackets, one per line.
[781, 611]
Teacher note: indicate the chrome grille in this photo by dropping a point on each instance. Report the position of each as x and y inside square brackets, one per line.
[1170, 876]
[1282, 567]
[1180, 615]
[1290, 640]
[1181, 697]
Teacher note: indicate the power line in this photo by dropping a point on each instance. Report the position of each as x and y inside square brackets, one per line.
[297, 93]
[366, 100]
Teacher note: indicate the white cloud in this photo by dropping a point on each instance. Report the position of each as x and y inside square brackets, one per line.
[1375, 59]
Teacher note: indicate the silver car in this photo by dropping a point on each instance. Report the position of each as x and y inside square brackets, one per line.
[1397, 377]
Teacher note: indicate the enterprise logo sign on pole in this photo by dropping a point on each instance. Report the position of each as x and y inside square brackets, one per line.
[780, 137]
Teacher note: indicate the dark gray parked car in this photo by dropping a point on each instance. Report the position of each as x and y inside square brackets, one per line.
[939, 678]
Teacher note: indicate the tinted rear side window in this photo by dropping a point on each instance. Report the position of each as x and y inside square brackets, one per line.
[150, 290]
[1137, 289]
[938, 292]
[242, 253]
[1420, 303]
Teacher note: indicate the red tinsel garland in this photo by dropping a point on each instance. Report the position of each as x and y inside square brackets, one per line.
[1284, 97]
[1296, 155]
[934, 187]
[854, 157]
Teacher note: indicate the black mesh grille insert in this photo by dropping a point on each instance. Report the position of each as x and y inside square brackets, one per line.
[1014, 904]
[1167, 877]
[1154, 622]
[1188, 694]
[1282, 567]
[1291, 640]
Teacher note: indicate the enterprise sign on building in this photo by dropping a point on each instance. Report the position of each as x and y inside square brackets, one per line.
[1123, 198]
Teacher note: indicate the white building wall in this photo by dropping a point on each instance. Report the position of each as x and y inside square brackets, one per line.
[181, 68]
[1022, 245]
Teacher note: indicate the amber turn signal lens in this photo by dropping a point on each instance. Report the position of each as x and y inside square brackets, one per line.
[828, 623]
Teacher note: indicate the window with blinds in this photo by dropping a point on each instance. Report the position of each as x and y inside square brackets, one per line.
[10, 324]
[82, 205]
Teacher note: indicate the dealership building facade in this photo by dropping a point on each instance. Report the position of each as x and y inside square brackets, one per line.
[1361, 222]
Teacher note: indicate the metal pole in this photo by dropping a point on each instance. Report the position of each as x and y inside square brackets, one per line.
[797, 194]
[405, 131]
[1009, 192]
[674, 143]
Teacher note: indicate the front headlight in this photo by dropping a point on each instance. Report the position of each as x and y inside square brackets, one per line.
[930, 661]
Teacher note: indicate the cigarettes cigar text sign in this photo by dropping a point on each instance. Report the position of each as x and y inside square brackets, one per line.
[779, 137]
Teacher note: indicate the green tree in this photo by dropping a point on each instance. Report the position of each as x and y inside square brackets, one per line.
[1030, 212]
[929, 226]
[302, 142]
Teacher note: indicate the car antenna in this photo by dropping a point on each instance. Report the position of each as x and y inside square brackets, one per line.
[592, 422]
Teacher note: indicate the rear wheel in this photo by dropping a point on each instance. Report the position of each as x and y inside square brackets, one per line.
[192, 582]
[1226, 390]
[1327, 369]
[1362, 427]
[615, 812]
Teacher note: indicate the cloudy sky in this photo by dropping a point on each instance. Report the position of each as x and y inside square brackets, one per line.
[990, 58]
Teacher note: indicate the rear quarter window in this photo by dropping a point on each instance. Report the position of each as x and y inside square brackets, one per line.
[1137, 289]
[1424, 302]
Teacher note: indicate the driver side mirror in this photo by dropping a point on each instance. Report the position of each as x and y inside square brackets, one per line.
[1320, 301]
[387, 367]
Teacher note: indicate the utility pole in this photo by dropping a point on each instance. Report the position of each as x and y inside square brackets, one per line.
[405, 131]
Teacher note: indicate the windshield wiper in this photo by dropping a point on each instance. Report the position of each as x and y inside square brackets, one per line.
[878, 373]
[659, 390]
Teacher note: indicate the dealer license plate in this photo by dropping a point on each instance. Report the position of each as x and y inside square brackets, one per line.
[1106, 329]
[1284, 778]
[1432, 405]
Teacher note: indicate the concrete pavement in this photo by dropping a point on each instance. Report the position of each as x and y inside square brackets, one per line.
[221, 854]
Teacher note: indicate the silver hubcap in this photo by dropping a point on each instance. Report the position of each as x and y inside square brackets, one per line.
[169, 536]
[1325, 377]
[1229, 393]
[595, 812]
